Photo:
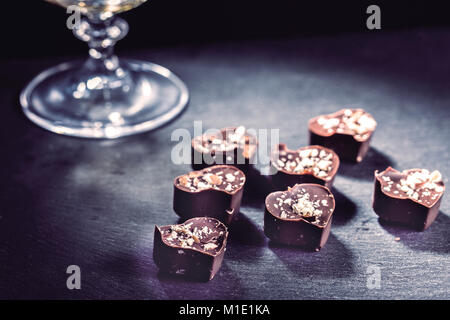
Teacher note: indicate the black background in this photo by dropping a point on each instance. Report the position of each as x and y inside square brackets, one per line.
[36, 28]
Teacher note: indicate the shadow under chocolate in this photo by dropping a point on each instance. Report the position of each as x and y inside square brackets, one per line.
[244, 232]
[374, 160]
[334, 260]
[256, 189]
[345, 208]
[225, 285]
[434, 239]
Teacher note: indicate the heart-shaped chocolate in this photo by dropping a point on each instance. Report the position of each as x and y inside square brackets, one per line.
[300, 216]
[232, 146]
[214, 192]
[411, 197]
[311, 164]
[347, 132]
[194, 248]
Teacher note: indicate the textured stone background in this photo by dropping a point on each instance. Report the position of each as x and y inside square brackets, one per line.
[95, 203]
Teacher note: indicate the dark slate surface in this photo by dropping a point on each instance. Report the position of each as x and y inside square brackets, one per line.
[68, 201]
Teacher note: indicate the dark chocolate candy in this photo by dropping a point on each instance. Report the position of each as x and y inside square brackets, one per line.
[311, 164]
[410, 198]
[194, 249]
[214, 192]
[300, 216]
[347, 132]
[232, 146]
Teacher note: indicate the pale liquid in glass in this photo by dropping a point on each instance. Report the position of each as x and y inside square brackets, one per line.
[99, 6]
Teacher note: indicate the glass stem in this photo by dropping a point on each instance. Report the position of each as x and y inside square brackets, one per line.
[101, 35]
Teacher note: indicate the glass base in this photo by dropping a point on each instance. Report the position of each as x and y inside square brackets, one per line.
[73, 99]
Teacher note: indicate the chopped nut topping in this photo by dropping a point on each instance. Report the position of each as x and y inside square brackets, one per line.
[184, 181]
[356, 122]
[226, 140]
[417, 184]
[311, 160]
[188, 237]
[213, 178]
[305, 207]
[210, 246]
[435, 176]
[230, 177]
[309, 203]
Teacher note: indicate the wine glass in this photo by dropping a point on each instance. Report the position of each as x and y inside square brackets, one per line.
[103, 97]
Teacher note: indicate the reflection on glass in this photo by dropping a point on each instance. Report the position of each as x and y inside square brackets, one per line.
[103, 97]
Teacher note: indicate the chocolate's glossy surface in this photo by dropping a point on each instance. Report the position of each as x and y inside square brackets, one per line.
[231, 145]
[348, 132]
[411, 197]
[213, 192]
[194, 248]
[310, 164]
[300, 216]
